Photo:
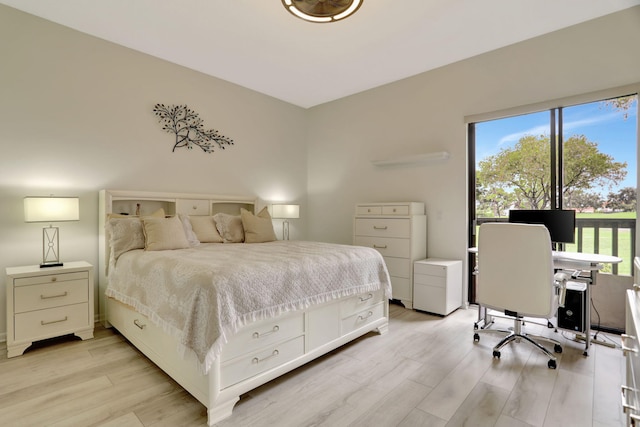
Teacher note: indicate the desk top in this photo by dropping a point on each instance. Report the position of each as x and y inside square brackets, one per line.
[577, 257]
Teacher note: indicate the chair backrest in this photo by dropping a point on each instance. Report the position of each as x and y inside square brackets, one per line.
[515, 269]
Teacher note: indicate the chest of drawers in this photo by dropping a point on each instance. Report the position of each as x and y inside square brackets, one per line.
[48, 302]
[399, 232]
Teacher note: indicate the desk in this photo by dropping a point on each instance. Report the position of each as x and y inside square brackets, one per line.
[578, 261]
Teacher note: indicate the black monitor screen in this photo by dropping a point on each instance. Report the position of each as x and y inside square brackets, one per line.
[560, 223]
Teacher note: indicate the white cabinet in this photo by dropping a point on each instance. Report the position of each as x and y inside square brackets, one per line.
[437, 285]
[399, 232]
[631, 349]
[48, 302]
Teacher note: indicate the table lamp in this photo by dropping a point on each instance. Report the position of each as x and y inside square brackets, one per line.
[51, 209]
[285, 212]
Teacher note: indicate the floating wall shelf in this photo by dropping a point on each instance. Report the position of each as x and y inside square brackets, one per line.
[415, 159]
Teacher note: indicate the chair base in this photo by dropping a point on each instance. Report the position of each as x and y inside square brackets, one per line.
[517, 335]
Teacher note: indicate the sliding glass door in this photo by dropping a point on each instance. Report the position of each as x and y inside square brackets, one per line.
[580, 157]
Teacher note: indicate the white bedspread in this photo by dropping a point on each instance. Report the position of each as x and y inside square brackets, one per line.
[205, 294]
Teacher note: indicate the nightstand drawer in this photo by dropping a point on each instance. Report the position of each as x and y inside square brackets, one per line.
[50, 278]
[40, 324]
[395, 210]
[430, 269]
[368, 210]
[56, 294]
[425, 279]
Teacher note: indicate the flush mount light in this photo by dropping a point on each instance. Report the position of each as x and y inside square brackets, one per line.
[322, 10]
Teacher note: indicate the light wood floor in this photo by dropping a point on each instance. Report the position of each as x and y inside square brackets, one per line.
[426, 371]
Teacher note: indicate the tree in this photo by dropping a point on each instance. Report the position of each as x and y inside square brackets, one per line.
[525, 169]
[624, 200]
[624, 104]
[583, 200]
[188, 127]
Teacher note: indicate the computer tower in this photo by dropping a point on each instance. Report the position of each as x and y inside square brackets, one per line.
[572, 315]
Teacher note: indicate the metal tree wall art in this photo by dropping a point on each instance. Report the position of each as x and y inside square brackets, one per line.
[189, 129]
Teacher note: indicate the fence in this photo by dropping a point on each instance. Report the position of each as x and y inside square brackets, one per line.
[613, 236]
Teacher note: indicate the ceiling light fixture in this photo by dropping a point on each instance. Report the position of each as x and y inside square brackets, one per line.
[322, 10]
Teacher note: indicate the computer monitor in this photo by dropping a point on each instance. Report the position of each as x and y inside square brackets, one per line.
[560, 223]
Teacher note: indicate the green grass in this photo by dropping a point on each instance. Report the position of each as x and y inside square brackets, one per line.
[604, 215]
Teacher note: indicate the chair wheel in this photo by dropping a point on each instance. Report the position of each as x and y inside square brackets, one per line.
[475, 326]
[550, 325]
[552, 364]
[496, 353]
[476, 337]
[557, 348]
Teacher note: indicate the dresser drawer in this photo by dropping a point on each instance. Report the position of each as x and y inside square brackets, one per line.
[362, 318]
[40, 324]
[243, 367]
[383, 227]
[253, 337]
[50, 278]
[368, 210]
[400, 248]
[395, 210]
[359, 302]
[399, 267]
[55, 294]
[192, 207]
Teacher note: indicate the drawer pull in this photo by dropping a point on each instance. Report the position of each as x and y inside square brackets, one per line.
[138, 324]
[361, 317]
[368, 297]
[256, 360]
[258, 334]
[42, 322]
[54, 296]
[625, 406]
[379, 246]
[626, 349]
[54, 278]
[379, 227]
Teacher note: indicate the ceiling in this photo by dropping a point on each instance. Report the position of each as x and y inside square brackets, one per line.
[259, 45]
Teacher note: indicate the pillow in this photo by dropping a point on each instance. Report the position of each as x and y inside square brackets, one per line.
[205, 229]
[125, 234]
[163, 234]
[229, 227]
[188, 230]
[257, 228]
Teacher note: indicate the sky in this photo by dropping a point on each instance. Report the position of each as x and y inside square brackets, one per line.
[601, 124]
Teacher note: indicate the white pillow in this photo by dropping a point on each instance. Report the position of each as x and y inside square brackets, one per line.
[188, 230]
[229, 227]
[125, 234]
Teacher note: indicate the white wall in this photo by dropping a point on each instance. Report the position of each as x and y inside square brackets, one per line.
[427, 112]
[76, 117]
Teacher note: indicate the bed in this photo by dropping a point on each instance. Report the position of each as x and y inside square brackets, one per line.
[224, 317]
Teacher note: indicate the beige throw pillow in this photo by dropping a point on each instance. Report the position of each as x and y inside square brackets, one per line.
[205, 229]
[257, 228]
[163, 234]
[229, 227]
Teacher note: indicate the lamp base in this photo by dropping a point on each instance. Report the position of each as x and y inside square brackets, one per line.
[51, 264]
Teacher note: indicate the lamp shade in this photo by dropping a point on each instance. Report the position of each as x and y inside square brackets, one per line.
[285, 211]
[51, 209]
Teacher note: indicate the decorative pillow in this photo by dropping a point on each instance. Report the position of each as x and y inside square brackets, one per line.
[188, 230]
[229, 227]
[257, 228]
[125, 235]
[205, 229]
[164, 233]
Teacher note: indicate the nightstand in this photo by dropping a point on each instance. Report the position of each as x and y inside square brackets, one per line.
[48, 302]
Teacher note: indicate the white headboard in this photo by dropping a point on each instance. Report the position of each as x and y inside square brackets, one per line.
[130, 202]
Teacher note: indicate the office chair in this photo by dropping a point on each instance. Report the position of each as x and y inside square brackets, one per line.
[516, 277]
